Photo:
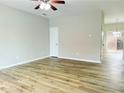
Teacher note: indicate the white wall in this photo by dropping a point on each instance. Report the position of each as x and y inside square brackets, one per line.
[23, 37]
[80, 36]
[113, 27]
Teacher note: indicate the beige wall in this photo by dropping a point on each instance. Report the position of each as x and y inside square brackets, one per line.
[23, 37]
[80, 36]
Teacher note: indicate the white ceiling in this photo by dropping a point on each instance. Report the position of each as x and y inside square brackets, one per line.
[113, 9]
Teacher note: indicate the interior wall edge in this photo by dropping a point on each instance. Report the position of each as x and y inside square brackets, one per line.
[24, 62]
[78, 59]
[23, 36]
[17, 9]
[29, 61]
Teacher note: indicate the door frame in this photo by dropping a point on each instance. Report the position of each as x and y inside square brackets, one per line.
[54, 45]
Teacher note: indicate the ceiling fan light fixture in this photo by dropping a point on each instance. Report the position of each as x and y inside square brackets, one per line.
[48, 4]
[42, 5]
[47, 7]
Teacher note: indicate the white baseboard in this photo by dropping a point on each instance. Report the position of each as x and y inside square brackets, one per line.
[24, 62]
[78, 59]
[29, 61]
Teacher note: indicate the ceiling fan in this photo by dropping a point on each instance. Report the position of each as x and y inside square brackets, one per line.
[47, 4]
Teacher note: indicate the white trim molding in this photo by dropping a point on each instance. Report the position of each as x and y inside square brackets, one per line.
[24, 62]
[29, 61]
[78, 59]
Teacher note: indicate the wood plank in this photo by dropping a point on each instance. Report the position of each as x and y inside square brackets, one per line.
[62, 76]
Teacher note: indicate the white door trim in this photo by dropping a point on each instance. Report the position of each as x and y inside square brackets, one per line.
[54, 41]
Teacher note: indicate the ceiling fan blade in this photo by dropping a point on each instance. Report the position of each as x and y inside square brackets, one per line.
[53, 8]
[37, 7]
[58, 2]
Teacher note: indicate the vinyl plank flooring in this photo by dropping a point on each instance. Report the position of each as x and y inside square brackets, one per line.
[62, 76]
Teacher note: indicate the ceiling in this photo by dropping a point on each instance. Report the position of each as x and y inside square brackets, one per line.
[113, 9]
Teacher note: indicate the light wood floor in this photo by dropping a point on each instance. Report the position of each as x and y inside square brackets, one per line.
[63, 76]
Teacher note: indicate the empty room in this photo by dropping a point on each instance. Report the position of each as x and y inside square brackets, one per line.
[61, 46]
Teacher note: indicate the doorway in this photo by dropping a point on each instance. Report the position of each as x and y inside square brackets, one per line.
[54, 42]
[113, 45]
